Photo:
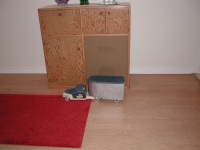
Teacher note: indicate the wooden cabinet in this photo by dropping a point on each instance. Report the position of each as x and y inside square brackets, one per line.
[64, 30]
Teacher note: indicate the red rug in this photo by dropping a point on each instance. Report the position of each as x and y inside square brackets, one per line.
[42, 120]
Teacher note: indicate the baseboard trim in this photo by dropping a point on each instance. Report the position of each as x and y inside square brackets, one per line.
[132, 71]
[22, 70]
[177, 70]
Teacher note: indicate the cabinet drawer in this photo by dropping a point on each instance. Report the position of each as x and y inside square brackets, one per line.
[111, 20]
[60, 22]
[93, 21]
[117, 20]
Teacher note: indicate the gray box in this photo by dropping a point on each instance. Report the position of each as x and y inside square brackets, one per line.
[107, 87]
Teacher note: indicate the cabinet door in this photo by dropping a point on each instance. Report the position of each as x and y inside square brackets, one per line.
[60, 22]
[64, 61]
[93, 21]
[117, 20]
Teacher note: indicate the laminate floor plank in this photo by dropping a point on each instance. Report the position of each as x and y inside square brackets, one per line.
[159, 112]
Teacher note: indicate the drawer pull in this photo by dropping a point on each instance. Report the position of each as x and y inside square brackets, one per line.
[101, 13]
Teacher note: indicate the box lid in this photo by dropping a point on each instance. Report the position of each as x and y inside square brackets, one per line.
[107, 79]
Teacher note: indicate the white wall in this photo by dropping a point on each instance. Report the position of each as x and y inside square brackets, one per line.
[165, 36]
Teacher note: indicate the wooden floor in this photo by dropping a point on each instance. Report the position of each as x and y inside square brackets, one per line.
[159, 112]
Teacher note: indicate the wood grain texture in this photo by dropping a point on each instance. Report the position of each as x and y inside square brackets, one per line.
[117, 20]
[93, 21]
[159, 112]
[64, 61]
[109, 20]
[60, 22]
[61, 27]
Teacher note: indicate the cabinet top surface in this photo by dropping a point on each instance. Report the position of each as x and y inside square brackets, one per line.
[92, 5]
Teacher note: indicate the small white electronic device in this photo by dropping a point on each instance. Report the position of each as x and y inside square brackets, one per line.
[108, 2]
